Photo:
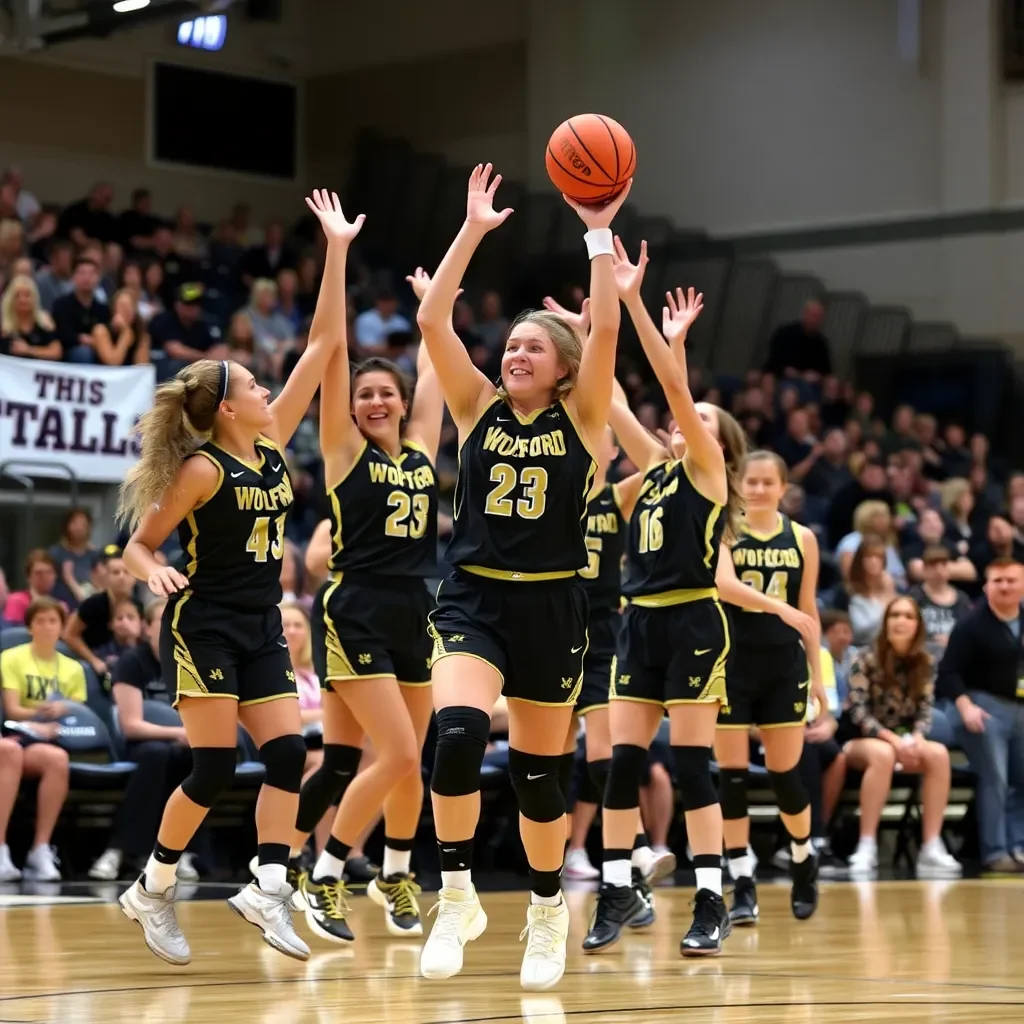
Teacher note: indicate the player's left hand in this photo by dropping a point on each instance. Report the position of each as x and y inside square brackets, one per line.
[681, 310]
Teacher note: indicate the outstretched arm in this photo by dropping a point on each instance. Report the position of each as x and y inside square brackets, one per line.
[328, 327]
[643, 450]
[465, 388]
[424, 426]
[593, 392]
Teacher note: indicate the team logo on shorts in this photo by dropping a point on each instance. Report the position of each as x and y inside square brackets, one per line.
[695, 681]
[567, 682]
[290, 676]
[799, 707]
[365, 659]
[456, 638]
[623, 681]
[216, 675]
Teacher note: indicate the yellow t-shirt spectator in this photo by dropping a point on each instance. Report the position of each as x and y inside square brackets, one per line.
[39, 681]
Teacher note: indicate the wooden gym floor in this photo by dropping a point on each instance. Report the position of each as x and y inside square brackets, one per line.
[882, 951]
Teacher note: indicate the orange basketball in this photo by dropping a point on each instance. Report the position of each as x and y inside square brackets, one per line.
[590, 158]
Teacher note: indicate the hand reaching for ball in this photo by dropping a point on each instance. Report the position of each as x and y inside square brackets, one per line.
[480, 200]
[628, 276]
[579, 322]
[678, 316]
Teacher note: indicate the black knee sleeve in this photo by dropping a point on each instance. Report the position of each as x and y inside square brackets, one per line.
[598, 772]
[327, 784]
[732, 788]
[536, 784]
[790, 791]
[628, 764]
[566, 767]
[693, 776]
[462, 735]
[284, 757]
[213, 771]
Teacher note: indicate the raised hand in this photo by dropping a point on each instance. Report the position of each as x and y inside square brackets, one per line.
[603, 215]
[327, 208]
[480, 199]
[678, 316]
[420, 281]
[579, 322]
[628, 276]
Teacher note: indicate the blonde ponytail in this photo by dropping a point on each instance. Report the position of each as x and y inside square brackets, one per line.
[734, 446]
[181, 418]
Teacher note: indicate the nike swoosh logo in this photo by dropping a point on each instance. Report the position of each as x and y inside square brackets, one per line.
[531, 778]
[282, 643]
[504, 419]
[274, 469]
[707, 650]
[803, 686]
[714, 935]
[576, 650]
[235, 476]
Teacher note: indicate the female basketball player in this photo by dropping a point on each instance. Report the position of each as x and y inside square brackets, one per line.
[674, 638]
[771, 573]
[608, 512]
[370, 641]
[512, 617]
[222, 646]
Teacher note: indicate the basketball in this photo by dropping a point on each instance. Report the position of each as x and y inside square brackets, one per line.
[590, 157]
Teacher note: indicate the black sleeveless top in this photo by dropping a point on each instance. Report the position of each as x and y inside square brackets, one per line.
[674, 534]
[521, 495]
[233, 543]
[606, 544]
[384, 514]
[774, 565]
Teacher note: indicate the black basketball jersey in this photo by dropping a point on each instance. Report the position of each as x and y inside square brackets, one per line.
[773, 564]
[233, 544]
[384, 514]
[521, 495]
[674, 534]
[606, 544]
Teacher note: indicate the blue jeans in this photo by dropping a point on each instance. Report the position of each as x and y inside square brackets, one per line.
[942, 730]
[81, 354]
[997, 757]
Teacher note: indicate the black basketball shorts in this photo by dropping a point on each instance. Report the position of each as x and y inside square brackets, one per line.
[597, 665]
[769, 686]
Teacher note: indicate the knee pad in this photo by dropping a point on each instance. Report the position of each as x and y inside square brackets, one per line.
[462, 735]
[213, 771]
[327, 784]
[790, 791]
[599, 772]
[693, 776]
[536, 784]
[732, 787]
[284, 757]
[627, 769]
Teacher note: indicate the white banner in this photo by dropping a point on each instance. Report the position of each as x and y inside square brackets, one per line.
[82, 417]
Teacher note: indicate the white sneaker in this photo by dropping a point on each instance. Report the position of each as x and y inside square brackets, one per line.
[271, 913]
[546, 931]
[107, 866]
[460, 919]
[863, 861]
[578, 866]
[935, 861]
[8, 872]
[662, 865]
[155, 914]
[41, 863]
[186, 870]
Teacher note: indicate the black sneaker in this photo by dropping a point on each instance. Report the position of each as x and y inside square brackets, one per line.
[803, 897]
[643, 890]
[326, 908]
[710, 928]
[397, 895]
[744, 910]
[617, 906]
[360, 869]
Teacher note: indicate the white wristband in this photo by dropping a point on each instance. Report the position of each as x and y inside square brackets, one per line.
[600, 242]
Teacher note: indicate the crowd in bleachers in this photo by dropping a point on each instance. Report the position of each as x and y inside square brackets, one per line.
[901, 506]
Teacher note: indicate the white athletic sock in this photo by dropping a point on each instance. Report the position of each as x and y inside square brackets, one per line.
[546, 901]
[617, 872]
[396, 862]
[710, 878]
[270, 877]
[867, 843]
[457, 880]
[159, 877]
[328, 866]
[935, 845]
[800, 851]
[741, 867]
[641, 858]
